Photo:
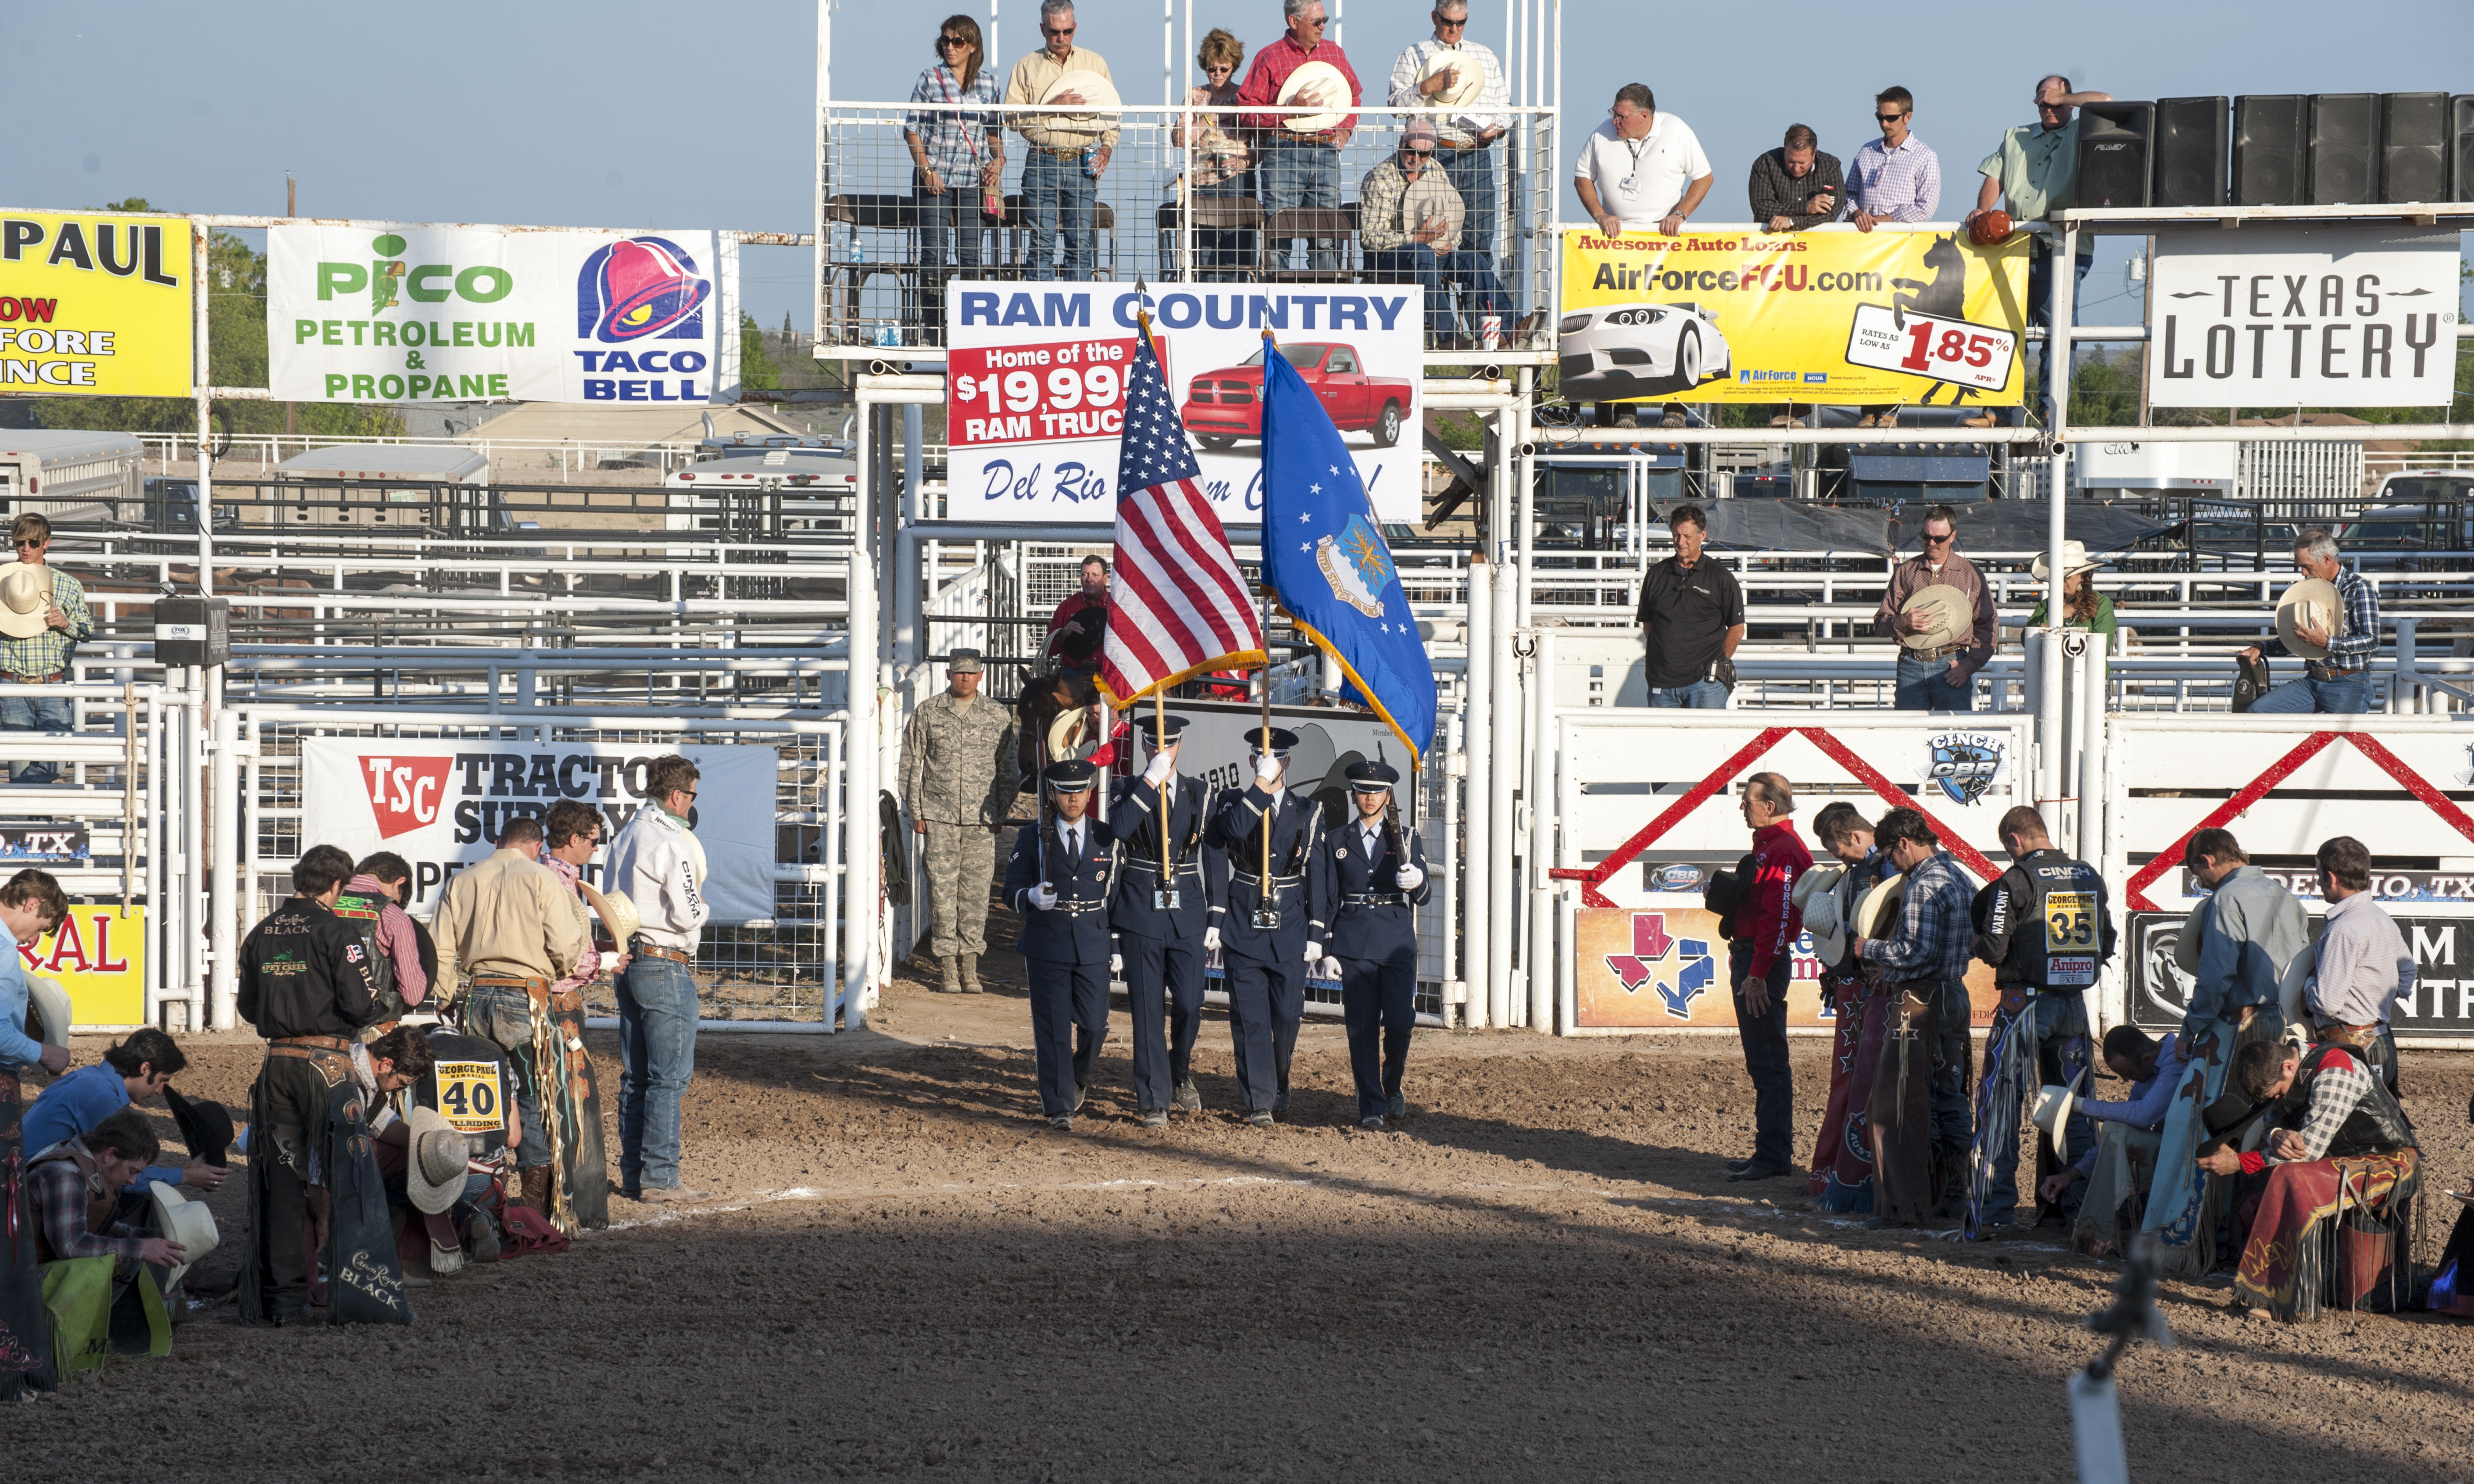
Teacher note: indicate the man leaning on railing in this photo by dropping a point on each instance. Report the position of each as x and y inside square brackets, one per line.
[43, 618]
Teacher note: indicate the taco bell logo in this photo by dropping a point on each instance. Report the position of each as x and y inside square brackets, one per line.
[1964, 763]
[639, 288]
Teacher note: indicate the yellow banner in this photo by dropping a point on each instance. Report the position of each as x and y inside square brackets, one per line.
[1840, 317]
[95, 306]
[99, 957]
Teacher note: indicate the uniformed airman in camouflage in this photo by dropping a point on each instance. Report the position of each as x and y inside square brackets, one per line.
[960, 776]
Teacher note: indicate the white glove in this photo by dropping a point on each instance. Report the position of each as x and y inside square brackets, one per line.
[1043, 896]
[1116, 964]
[1267, 772]
[1159, 770]
[1314, 951]
[1211, 940]
[1410, 877]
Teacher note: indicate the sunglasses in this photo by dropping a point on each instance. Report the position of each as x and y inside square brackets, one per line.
[1442, 24]
[943, 42]
[1932, 540]
[34, 545]
[1057, 31]
[1889, 118]
[1419, 153]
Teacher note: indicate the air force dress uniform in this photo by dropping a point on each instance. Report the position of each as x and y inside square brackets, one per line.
[1268, 932]
[1159, 923]
[1373, 873]
[1059, 879]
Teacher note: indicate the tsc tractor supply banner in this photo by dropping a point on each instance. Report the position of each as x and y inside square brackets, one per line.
[409, 314]
[1036, 389]
[95, 306]
[2340, 316]
[1826, 316]
[440, 806]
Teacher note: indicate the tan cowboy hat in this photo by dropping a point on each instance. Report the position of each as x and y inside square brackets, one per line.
[616, 912]
[2313, 601]
[25, 593]
[435, 1161]
[2186, 941]
[1071, 735]
[2291, 985]
[1465, 87]
[1816, 897]
[186, 1221]
[2053, 1113]
[1322, 79]
[1878, 904]
[1944, 613]
[52, 1007]
[1430, 195]
[2075, 561]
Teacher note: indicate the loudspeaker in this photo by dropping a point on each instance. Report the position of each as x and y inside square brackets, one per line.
[2415, 138]
[2190, 153]
[2113, 153]
[2461, 182]
[2271, 149]
[2344, 149]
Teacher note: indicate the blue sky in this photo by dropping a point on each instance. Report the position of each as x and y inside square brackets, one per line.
[626, 113]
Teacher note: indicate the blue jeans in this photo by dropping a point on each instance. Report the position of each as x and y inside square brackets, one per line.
[26, 713]
[1925, 685]
[505, 1014]
[2347, 696]
[1699, 695]
[2040, 295]
[1765, 1058]
[1301, 175]
[1471, 173]
[950, 235]
[1437, 272]
[657, 1032]
[1057, 196]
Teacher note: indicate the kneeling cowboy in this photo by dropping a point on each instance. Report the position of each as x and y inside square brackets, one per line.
[1376, 873]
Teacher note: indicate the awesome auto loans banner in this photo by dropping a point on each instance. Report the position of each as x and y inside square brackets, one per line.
[1841, 317]
[94, 305]
[1036, 389]
[408, 314]
[441, 805]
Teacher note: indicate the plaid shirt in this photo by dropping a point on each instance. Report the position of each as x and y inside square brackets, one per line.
[1493, 98]
[1774, 192]
[2351, 650]
[955, 141]
[1901, 186]
[2341, 1085]
[1935, 931]
[48, 653]
[56, 1191]
[1380, 224]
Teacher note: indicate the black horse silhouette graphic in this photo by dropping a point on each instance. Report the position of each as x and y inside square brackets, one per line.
[1943, 296]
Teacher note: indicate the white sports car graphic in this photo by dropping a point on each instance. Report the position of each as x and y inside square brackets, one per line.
[1640, 349]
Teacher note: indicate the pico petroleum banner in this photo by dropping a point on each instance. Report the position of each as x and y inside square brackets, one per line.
[95, 306]
[1824, 316]
[406, 314]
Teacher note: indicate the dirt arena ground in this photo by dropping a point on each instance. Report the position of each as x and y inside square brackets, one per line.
[1544, 1276]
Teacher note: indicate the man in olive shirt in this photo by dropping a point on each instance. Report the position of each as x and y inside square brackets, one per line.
[1691, 620]
[2036, 171]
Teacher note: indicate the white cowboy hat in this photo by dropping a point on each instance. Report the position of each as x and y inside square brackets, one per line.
[1322, 79]
[2053, 1113]
[1431, 195]
[1072, 735]
[2186, 941]
[2075, 561]
[1816, 897]
[25, 593]
[52, 1007]
[1879, 902]
[2311, 600]
[434, 1163]
[1098, 94]
[2291, 988]
[1465, 87]
[617, 913]
[186, 1221]
[1944, 613]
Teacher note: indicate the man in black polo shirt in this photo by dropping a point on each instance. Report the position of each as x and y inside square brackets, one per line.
[1691, 617]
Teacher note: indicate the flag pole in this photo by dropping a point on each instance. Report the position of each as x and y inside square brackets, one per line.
[1271, 348]
[1159, 743]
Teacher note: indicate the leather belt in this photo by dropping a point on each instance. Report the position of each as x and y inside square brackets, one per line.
[13, 677]
[649, 950]
[1074, 909]
[1942, 653]
[1075, 152]
[1323, 139]
[334, 1043]
[509, 981]
[1375, 899]
[1281, 882]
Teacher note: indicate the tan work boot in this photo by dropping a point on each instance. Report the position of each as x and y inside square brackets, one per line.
[952, 983]
[971, 974]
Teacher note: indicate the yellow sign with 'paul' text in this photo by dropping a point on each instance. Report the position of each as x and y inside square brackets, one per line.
[95, 306]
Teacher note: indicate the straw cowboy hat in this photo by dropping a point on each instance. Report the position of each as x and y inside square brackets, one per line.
[2311, 600]
[1943, 613]
[616, 912]
[52, 1007]
[1469, 82]
[1825, 915]
[1879, 904]
[186, 1221]
[2053, 1113]
[25, 594]
[1097, 92]
[433, 1173]
[1325, 81]
[2075, 561]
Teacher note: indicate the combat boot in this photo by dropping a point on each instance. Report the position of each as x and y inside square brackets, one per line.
[950, 975]
[971, 974]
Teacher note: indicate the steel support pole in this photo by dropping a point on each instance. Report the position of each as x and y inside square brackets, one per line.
[1537, 952]
[195, 925]
[2091, 752]
[1485, 1005]
[224, 898]
[1503, 780]
[201, 369]
[2057, 387]
[859, 819]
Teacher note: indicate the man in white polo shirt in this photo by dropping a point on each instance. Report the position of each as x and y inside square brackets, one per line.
[1641, 172]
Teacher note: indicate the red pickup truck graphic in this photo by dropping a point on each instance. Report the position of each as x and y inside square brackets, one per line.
[1223, 406]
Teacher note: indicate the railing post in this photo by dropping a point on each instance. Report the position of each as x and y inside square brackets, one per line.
[1485, 1003]
[224, 900]
[1537, 953]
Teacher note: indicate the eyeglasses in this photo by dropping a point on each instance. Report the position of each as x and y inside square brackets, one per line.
[1932, 540]
[1057, 31]
[943, 42]
[1889, 118]
[1417, 154]
[34, 544]
[1442, 24]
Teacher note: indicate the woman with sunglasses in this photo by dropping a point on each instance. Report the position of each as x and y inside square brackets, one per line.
[956, 161]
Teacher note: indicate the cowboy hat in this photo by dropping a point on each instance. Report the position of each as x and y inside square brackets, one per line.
[184, 1221]
[1072, 735]
[52, 1005]
[2311, 600]
[1465, 87]
[434, 1163]
[2075, 561]
[1878, 903]
[205, 1126]
[2053, 1113]
[1322, 79]
[1816, 897]
[2186, 941]
[1943, 613]
[2292, 984]
[1098, 93]
[25, 593]
[616, 911]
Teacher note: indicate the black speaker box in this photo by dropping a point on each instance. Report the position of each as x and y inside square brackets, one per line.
[2271, 149]
[2462, 153]
[2344, 149]
[2113, 153]
[2416, 142]
[2190, 153]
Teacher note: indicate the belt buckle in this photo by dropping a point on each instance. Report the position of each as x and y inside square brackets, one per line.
[1267, 918]
[1167, 899]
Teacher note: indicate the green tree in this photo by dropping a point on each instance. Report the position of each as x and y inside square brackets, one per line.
[758, 370]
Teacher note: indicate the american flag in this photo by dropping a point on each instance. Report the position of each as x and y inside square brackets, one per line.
[1180, 603]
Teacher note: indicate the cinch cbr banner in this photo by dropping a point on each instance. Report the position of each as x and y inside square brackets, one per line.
[441, 805]
[1906, 317]
[405, 315]
[95, 306]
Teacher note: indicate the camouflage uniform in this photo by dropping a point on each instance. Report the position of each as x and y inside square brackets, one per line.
[959, 775]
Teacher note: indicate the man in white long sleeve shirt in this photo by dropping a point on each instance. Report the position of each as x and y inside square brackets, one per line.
[658, 862]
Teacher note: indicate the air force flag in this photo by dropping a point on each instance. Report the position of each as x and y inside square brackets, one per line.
[1323, 557]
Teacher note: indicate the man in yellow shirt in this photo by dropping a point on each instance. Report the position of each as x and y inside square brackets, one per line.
[1068, 152]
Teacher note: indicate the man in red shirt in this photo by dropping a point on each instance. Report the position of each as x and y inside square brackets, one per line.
[1080, 623]
[1761, 959]
[1300, 167]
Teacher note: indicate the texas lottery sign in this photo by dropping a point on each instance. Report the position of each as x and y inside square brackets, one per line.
[406, 314]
